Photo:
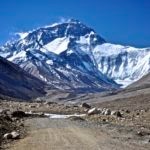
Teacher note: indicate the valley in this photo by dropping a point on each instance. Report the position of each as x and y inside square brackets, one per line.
[99, 130]
[63, 86]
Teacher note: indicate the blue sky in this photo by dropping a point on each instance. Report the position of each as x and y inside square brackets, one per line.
[118, 21]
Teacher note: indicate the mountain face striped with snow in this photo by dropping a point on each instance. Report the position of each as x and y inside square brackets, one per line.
[72, 55]
[124, 64]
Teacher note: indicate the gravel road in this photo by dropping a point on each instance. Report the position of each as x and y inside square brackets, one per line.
[64, 134]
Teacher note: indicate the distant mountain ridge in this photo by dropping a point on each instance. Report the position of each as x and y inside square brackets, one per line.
[71, 55]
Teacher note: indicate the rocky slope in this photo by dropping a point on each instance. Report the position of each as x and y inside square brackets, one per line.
[15, 82]
[144, 82]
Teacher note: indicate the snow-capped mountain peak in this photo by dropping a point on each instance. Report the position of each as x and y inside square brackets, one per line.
[72, 55]
[59, 55]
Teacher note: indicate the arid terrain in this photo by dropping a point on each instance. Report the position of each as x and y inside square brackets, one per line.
[113, 121]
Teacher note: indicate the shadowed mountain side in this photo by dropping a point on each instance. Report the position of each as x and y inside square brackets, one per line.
[15, 82]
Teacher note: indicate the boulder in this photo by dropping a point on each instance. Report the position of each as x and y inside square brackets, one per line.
[12, 135]
[85, 105]
[107, 112]
[18, 114]
[100, 110]
[92, 111]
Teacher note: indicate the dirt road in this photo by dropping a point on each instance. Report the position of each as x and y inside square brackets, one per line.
[63, 134]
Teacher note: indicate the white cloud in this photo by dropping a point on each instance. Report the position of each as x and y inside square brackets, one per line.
[62, 20]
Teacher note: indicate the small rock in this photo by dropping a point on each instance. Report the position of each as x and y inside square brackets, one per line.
[116, 113]
[76, 118]
[49, 103]
[107, 112]
[41, 114]
[21, 124]
[92, 111]
[85, 105]
[75, 106]
[38, 105]
[122, 110]
[86, 110]
[113, 113]
[143, 110]
[32, 106]
[14, 119]
[4, 111]
[140, 133]
[1, 111]
[15, 135]
[127, 111]
[104, 120]
[103, 111]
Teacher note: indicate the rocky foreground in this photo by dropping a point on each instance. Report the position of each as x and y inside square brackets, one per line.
[124, 121]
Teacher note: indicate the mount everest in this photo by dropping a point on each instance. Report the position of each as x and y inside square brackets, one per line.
[71, 55]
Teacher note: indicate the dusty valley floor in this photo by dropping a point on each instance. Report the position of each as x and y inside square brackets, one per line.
[62, 134]
[130, 130]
